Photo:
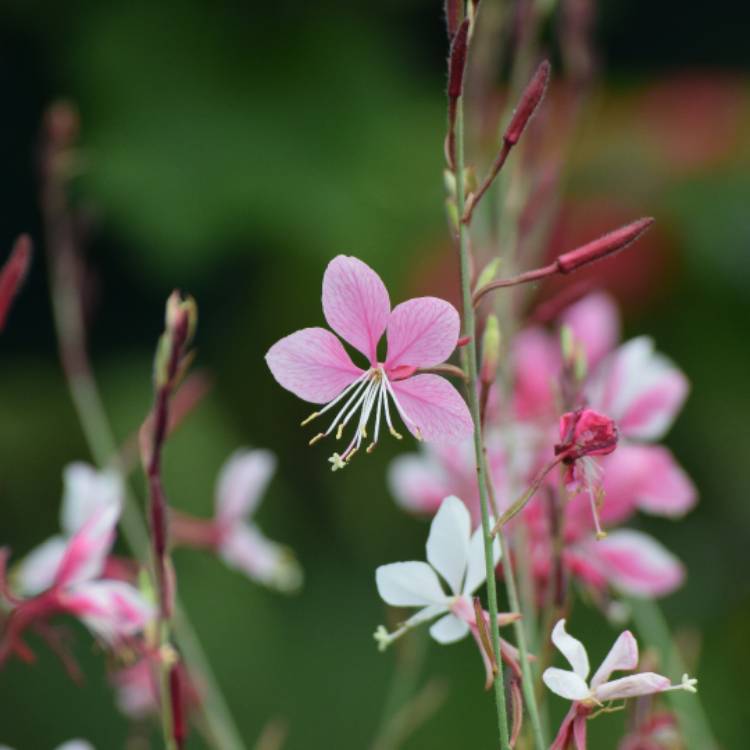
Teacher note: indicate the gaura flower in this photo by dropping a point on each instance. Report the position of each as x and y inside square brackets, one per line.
[592, 696]
[456, 555]
[421, 333]
[240, 543]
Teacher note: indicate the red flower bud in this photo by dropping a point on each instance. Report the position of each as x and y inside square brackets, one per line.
[585, 432]
[609, 244]
[457, 61]
[453, 13]
[530, 99]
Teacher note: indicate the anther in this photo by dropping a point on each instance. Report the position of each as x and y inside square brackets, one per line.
[371, 447]
[310, 418]
[318, 437]
[340, 431]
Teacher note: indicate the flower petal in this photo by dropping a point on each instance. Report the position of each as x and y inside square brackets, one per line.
[242, 480]
[645, 683]
[435, 407]
[88, 548]
[639, 388]
[536, 357]
[76, 745]
[111, 609]
[422, 332]
[248, 550]
[356, 303]
[86, 490]
[409, 584]
[595, 322]
[449, 629]
[572, 649]
[635, 563]
[36, 572]
[623, 656]
[566, 684]
[417, 482]
[312, 364]
[476, 570]
[448, 542]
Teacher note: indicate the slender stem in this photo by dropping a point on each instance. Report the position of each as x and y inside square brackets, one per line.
[469, 330]
[523, 278]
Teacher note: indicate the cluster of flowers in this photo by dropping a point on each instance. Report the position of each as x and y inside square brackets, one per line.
[577, 401]
[76, 573]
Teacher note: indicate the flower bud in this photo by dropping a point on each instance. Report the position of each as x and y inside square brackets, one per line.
[530, 99]
[609, 244]
[490, 350]
[457, 61]
[453, 14]
[585, 432]
[488, 273]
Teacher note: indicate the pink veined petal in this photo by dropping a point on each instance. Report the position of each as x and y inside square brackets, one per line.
[595, 322]
[409, 584]
[435, 406]
[87, 549]
[645, 683]
[312, 364]
[537, 366]
[111, 609]
[418, 483]
[623, 656]
[565, 683]
[241, 483]
[635, 563]
[422, 332]
[639, 388]
[356, 303]
[572, 649]
[87, 490]
[448, 542]
[36, 572]
[449, 629]
[249, 551]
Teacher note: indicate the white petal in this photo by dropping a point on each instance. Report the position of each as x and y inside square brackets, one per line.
[572, 649]
[476, 570]
[85, 491]
[241, 483]
[76, 745]
[645, 683]
[448, 542]
[36, 572]
[409, 584]
[565, 684]
[449, 629]
[622, 656]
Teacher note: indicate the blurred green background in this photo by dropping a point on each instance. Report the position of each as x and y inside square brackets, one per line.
[231, 149]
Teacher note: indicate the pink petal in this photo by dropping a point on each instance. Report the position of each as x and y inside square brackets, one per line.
[36, 572]
[418, 483]
[595, 322]
[537, 368]
[623, 656]
[435, 407]
[137, 690]
[422, 332]
[580, 727]
[645, 683]
[634, 563]
[88, 548]
[564, 734]
[356, 303]
[241, 483]
[312, 364]
[112, 609]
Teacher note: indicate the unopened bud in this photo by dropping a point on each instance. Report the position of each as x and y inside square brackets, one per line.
[490, 350]
[530, 99]
[181, 317]
[453, 14]
[488, 273]
[13, 274]
[609, 244]
[585, 432]
[457, 61]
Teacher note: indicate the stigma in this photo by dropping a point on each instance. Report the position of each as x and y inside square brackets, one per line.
[369, 397]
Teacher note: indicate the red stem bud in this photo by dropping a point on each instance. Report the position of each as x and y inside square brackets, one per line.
[453, 13]
[530, 99]
[179, 726]
[609, 244]
[457, 61]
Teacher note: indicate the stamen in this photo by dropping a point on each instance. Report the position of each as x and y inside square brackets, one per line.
[317, 438]
[353, 385]
[395, 434]
[370, 448]
[400, 409]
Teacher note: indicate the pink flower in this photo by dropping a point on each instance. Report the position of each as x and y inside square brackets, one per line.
[71, 575]
[241, 544]
[587, 697]
[456, 555]
[421, 333]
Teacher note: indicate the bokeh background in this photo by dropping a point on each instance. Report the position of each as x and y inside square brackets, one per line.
[231, 149]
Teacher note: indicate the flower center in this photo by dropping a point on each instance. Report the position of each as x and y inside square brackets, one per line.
[369, 393]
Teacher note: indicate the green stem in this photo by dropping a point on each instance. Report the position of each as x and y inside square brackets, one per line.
[652, 625]
[469, 330]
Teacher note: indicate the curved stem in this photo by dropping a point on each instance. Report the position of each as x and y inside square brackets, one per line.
[469, 329]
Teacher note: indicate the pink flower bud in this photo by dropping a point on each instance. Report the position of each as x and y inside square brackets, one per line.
[609, 244]
[530, 99]
[585, 432]
[453, 13]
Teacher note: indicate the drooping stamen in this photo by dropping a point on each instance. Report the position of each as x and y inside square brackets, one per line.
[407, 420]
[335, 401]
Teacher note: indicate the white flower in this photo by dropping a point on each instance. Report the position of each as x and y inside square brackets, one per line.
[622, 656]
[457, 556]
